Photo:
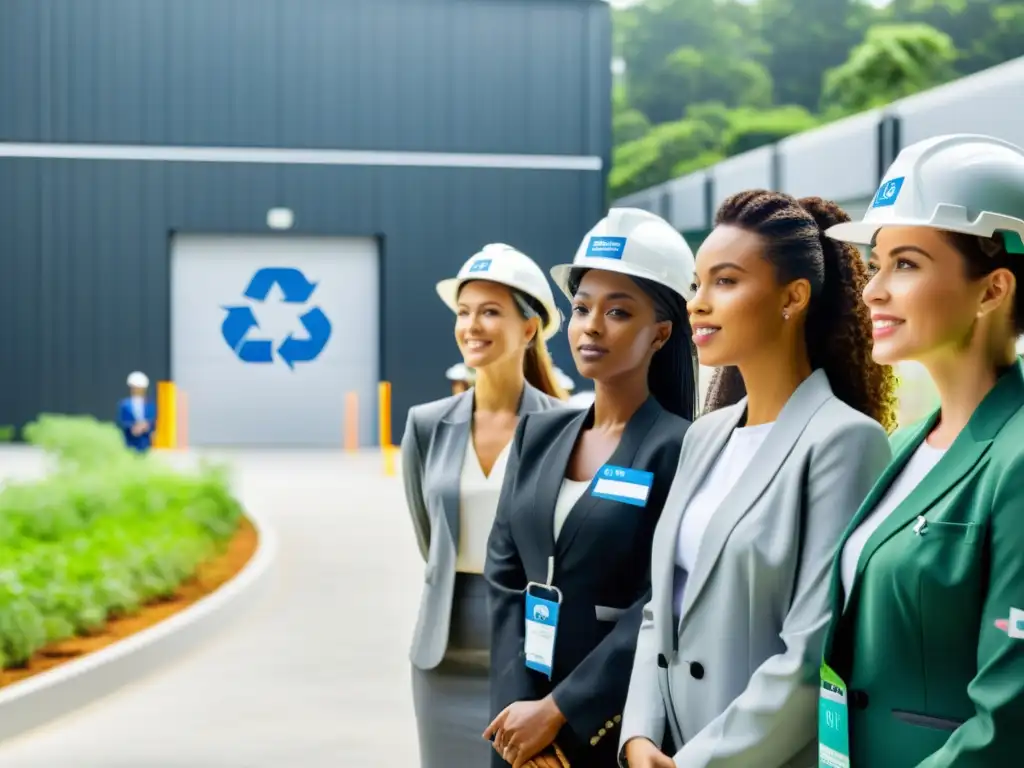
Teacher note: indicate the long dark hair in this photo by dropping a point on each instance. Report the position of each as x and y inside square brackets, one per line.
[672, 376]
[839, 323]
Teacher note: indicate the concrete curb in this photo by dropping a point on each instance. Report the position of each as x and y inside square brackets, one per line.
[37, 700]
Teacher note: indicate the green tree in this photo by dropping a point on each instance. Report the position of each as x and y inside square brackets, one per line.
[681, 52]
[893, 61]
[806, 38]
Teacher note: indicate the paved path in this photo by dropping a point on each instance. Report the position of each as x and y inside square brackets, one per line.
[315, 676]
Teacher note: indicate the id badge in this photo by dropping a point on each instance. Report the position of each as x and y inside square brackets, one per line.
[833, 725]
[630, 486]
[542, 605]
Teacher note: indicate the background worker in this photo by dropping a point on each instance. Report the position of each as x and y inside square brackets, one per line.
[137, 413]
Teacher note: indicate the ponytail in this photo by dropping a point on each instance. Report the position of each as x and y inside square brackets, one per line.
[540, 371]
[838, 325]
[538, 368]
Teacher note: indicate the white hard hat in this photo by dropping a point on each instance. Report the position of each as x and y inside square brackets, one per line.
[564, 381]
[636, 243]
[138, 380]
[460, 372]
[500, 263]
[960, 183]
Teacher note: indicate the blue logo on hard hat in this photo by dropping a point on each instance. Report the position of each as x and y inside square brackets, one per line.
[888, 192]
[480, 266]
[606, 247]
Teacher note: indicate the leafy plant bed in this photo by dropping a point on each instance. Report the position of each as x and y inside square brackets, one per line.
[109, 543]
[209, 577]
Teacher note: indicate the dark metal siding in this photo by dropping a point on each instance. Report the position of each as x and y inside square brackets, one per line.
[84, 268]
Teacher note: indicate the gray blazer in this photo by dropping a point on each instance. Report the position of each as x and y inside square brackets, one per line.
[734, 681]
[433, 449]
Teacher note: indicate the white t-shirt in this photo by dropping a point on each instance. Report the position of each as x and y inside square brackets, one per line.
[139, 408]
[913, 472]
[720, 479]
[478, 503]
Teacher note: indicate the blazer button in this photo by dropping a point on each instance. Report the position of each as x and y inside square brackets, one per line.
[696, 670]
[593, 741]
[609, 725]
[618, 718]
[662, 661]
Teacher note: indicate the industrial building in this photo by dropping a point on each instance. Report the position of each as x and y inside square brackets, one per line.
[255, 200]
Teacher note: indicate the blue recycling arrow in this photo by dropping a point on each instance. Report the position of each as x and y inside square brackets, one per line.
[294, 350]
[256, 351]
[237, 323]
[294, 285]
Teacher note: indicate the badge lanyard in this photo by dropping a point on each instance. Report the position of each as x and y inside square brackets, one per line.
[543, 602]
[833, 723]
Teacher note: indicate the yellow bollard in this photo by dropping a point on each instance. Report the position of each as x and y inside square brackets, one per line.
[166, 434]
[384, 427]
[352, 422]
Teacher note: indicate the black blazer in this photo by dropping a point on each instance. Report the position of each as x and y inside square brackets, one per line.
[601, 565]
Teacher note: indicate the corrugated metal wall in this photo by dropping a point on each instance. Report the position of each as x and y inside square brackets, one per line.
[84, 243]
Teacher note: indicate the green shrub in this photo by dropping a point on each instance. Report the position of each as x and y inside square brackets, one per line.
[107, 531]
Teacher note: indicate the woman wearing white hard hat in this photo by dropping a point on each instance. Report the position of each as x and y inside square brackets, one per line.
[925, 654]
[454, 454]
[136, 414]
[570, 547]
[793, 438]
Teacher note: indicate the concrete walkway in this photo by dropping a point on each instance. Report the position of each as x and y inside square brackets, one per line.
[316, 676]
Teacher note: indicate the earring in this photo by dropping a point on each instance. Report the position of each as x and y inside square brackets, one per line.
[785, 315]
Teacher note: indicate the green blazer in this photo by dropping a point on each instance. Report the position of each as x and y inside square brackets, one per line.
[933, 666]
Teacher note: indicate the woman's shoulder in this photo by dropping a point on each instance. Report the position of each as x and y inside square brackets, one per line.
[426, 415]
[838, 423]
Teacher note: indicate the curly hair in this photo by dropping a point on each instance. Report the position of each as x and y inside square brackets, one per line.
[838, 325]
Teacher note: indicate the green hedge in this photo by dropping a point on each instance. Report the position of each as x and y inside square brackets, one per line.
[106, 531]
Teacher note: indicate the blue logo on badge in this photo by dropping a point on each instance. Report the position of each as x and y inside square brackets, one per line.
[888, 192]
[480, 266]
[606, 247]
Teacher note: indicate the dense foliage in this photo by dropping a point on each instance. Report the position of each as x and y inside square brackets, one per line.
[104, 532]
[706, 79]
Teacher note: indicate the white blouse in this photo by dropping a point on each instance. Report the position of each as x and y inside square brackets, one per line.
[478, 503]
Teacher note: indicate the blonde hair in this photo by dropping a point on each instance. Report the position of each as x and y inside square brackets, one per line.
[540, 370]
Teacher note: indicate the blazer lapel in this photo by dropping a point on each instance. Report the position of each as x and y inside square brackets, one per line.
[451, 440]
[695, 461]
[553, 462]
[966, 451]
[793, 419]
[633, 435]
[453, 437]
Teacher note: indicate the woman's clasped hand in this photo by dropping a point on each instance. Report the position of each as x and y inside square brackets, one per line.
[524, 729]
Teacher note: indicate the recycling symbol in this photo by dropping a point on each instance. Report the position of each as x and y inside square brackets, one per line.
[240, 320]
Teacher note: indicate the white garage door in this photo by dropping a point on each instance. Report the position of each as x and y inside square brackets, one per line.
[268, 334]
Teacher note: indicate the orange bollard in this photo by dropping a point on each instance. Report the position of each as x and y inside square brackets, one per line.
[182, 420]
[352, 422]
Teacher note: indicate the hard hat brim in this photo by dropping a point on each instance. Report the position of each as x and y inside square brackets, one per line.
[560, 274]
[448, 290]
[864, 232]
[855, 232]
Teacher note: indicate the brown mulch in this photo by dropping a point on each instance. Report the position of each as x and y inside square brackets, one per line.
[207, 579]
